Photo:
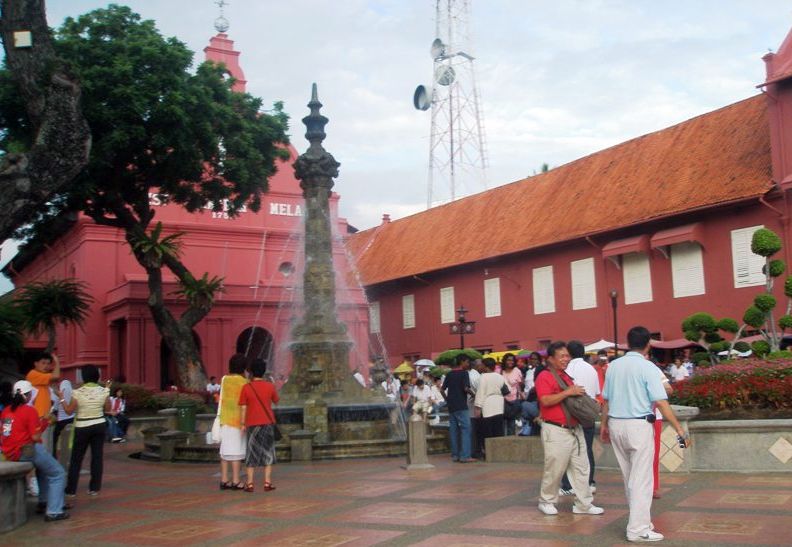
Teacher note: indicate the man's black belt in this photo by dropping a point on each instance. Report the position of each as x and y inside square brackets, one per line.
[559, 425]
[651, 418]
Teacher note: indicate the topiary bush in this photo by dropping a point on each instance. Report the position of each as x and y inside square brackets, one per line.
[777, 268]
[742, 347]
[765, 302]
[765, 242]
[700, 356]
[760, 348]
[776, 355]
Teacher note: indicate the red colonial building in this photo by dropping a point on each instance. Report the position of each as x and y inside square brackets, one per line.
[259, 255]
[659, 225]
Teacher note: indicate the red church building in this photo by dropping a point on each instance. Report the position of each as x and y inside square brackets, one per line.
[259, 255]
[652, 230]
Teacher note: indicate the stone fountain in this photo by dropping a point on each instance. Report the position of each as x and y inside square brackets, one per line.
[324, 412]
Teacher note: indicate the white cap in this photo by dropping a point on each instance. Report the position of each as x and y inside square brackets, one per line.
[23, 386]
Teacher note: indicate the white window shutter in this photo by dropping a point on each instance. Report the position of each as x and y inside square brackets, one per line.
[447, 305]
[543, 290]
[687, 269]
[637, 278]
[492, 297]
[584, 287]
[374, 318]
[747, 265]
[408, 311]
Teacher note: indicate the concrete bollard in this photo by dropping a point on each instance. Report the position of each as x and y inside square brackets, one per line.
[417, 457]
[301, 442]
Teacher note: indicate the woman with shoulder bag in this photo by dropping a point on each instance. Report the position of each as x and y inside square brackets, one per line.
[21, 438]
[514, 378]
[232, 437]
[258, 419]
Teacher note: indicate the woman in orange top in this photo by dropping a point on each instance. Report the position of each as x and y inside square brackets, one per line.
[232, 438]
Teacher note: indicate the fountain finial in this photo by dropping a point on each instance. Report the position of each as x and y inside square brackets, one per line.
[315, 122]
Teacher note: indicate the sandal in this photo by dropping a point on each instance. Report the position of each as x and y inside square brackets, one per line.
[226, 485]
[237, 486]
[268, 487]
[249, 487]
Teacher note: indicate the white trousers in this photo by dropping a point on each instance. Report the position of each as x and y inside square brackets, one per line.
[565, 451]
[633, 443]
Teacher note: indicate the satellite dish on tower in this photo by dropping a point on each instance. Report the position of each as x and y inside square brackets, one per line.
[445, 75]
[422, 98]
[438, 49]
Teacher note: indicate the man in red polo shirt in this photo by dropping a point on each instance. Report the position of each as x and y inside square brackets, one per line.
[562, 439]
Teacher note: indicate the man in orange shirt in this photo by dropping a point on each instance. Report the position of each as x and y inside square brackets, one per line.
[46, 369]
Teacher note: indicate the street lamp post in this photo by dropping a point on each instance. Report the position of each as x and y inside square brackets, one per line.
[614, 302]
[462, 326]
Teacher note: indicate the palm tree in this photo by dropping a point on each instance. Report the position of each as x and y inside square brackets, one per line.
[45, 304]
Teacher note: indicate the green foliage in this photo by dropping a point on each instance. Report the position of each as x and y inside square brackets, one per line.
[154, 248]
[728, 325]
[438, 372]
[765, 302]
[777, 268]
[785, 322]
[742, 346]
[754, 317]
[11, 324]
[712, 337]
[765, 242]
[446, 359]
[142, 399]
[700, 356]
[156, 126]
[760, 348]
[692, 335]
[788, 286]
[717, 347]
[45, 304]
[200, 293]
[700, 321]
[776, 355]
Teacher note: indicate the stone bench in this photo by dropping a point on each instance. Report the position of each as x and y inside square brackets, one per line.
[513, 449]
[13, 509]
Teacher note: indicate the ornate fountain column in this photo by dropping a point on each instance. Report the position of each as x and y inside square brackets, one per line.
[320, 347]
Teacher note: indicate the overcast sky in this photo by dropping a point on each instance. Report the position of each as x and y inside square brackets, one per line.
[558, 79]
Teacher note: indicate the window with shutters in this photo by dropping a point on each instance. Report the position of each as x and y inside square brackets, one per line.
[492, 297]
[584, 293]
[374, 318]
[687, 269]
[637, 278]
[408, 311]
[543, 290]
[747, 265]
[447, 305]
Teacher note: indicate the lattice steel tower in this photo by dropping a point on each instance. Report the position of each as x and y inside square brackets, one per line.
[457, 150]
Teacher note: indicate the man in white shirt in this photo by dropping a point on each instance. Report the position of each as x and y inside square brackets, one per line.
[357, 375]
[585, 376]
[392, 387]
[64, 418]
[678, 371]
[475, 372]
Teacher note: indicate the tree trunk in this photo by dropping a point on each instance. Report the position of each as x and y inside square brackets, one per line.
[62, 139]
[50, 338]
[176, 333]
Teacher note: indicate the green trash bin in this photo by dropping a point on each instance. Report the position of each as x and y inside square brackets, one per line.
[185, 415]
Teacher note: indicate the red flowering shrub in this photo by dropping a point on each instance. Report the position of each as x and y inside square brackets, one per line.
[739, 384]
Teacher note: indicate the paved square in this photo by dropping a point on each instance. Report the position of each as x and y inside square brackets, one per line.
[375, 501]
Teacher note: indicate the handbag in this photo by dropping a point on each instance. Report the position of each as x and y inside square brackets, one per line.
[585, 409]
[214, 434]
[276, 432]
[505, 390]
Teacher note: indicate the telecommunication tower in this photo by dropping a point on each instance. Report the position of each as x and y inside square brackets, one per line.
[457, 150]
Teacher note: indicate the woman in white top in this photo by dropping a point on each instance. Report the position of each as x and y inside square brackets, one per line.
[489, 401]
[90, 402]
[678, 371]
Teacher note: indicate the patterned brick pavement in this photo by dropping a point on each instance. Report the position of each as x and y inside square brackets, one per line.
[357, 503]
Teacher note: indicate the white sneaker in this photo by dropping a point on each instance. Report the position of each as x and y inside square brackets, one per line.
[593, 510]
[548, 509]
[562, 492]
[647, 537]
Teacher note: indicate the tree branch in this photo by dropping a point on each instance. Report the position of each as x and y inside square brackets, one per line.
[62, 139]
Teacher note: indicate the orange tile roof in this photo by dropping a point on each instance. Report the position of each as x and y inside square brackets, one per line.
[715, 158]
